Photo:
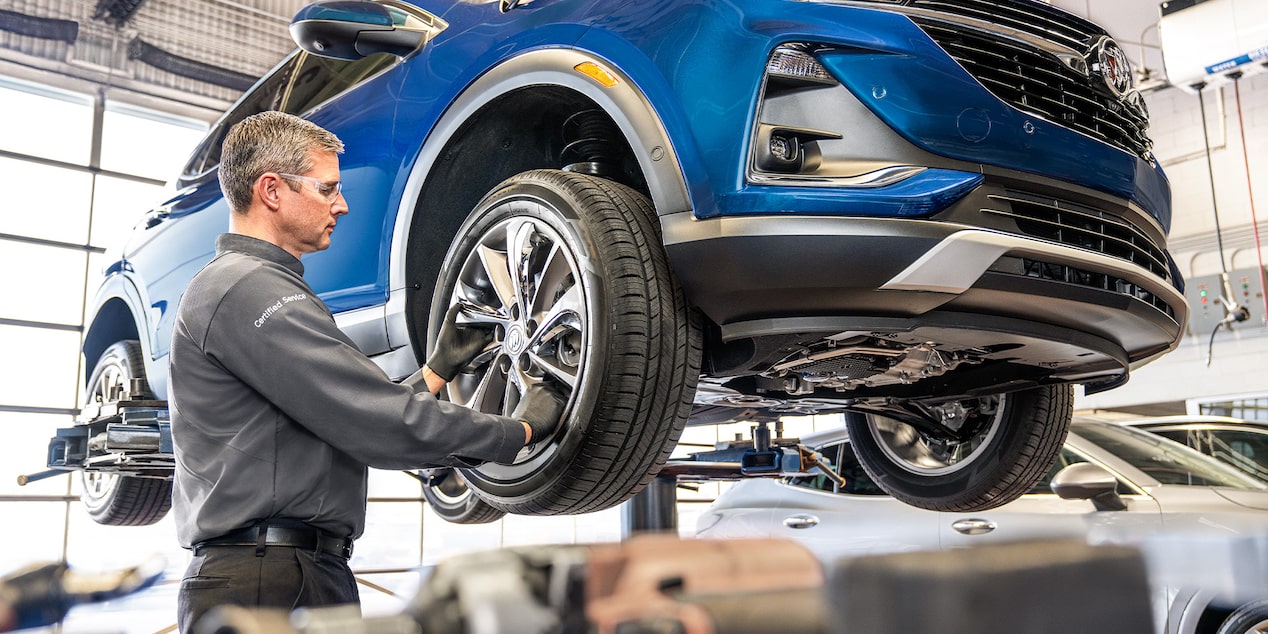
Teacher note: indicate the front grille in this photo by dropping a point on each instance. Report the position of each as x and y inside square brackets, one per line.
[1073, 225]
[988, 38]
[1027, 16]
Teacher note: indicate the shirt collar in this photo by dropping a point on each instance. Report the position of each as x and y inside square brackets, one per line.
[256, 247]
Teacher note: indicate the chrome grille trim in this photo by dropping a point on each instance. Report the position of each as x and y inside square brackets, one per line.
[1033, 57]
[1029, 19]
[1041, 85]
[1069, 51]
[1039, 20]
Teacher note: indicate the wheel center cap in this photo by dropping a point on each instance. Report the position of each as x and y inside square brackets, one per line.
[516, 339]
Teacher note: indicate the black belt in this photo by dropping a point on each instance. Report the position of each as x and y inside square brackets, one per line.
[259, 537]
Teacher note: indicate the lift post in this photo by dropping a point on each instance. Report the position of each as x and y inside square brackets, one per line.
[655, 508]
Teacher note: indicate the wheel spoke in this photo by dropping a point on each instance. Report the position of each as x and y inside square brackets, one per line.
[560, 320]
[497, 271]
[519, 255]
[513, 393]
[108, 387]
[474, 310]
[569, 304]
[552, 365]
[482, 316]
[556, 275]
[480, 397]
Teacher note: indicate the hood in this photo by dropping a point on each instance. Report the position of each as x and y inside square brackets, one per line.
[1250, 499]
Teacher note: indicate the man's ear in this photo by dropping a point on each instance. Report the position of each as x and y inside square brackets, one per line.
[266, 187]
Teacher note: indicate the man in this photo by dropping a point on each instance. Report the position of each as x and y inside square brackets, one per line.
[275, 412]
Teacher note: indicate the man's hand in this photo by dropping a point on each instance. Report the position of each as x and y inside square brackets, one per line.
[456, 345]
[540, 407]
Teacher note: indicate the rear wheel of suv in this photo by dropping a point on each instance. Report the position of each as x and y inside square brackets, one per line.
[999, 447]
[569, 271]
[451, 499]
[111, 499]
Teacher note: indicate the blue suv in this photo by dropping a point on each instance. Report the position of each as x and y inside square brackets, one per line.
[933, 217]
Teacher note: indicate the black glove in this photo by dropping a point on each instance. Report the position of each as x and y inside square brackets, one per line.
[540, 407]
[456, 345]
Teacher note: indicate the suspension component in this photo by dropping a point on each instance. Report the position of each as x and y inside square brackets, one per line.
[592, 144]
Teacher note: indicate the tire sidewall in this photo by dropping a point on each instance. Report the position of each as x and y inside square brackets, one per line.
[98, 503]
[503, 483]
[1245, 617]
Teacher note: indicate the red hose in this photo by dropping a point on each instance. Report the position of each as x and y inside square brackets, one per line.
[1254, 221]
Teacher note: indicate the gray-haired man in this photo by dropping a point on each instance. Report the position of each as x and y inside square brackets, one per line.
[275, 412]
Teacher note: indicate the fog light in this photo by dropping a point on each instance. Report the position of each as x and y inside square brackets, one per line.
[784, 149]
[788, 149]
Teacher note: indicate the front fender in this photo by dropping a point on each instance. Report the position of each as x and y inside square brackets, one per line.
[624, 102]
[119, 313]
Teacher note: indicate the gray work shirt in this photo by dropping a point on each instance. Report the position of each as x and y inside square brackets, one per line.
[277, 414]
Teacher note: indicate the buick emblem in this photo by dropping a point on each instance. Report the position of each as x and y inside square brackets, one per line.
[515, 339]
[1108, 61]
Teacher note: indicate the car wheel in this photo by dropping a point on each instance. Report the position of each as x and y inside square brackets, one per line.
[111, 499]
[569, 271]
[1251, 618]
[1002, 445]
[453, 501]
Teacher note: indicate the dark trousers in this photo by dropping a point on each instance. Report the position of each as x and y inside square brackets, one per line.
[283, 577]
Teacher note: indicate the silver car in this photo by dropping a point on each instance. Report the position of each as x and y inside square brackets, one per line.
[1241, 443]
[1202, 525]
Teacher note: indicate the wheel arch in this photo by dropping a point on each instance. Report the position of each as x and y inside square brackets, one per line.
[480, 141]
[117, 316]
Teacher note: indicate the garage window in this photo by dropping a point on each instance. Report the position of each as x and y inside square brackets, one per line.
[68, 198]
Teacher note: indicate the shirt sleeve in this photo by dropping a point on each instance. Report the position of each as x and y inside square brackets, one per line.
[277, 337]
[416, 381]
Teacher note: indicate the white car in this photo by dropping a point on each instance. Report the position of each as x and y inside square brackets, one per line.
[1202, 525]
[1241, 443]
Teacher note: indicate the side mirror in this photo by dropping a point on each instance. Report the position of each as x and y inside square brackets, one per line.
[352, 30]
[1086, 481]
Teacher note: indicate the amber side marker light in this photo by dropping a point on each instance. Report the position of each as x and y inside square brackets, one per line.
[597, 73]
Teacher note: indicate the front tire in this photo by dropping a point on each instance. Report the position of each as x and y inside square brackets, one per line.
[112, 499]
[1006, 444]
[569, 271]
[1251, 618]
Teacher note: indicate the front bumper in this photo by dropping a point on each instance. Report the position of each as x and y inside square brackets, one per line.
[1076, 313]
